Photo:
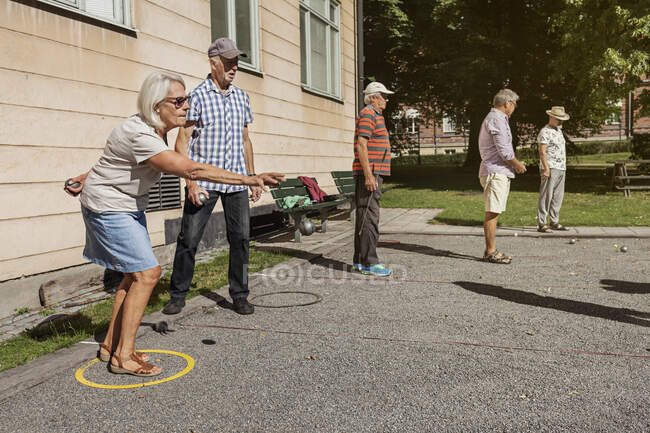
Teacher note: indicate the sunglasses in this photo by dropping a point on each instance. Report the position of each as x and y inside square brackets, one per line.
[178, 102]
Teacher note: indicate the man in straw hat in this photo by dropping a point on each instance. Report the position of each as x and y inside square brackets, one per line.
[552, 158]
[371, 164]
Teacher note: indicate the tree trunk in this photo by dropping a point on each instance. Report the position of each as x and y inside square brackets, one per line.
[473, 159]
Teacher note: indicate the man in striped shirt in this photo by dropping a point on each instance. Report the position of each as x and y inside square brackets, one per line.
[216, 133]
[371, 164]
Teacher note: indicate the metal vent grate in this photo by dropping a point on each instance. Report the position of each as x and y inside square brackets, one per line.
[165, 194]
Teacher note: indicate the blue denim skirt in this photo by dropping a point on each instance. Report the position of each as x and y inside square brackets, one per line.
[118, 240]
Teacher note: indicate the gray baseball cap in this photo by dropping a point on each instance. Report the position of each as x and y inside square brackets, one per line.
[226, 48]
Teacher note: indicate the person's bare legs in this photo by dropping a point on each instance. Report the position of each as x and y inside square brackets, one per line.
[132, 310]
[490, 230]
[113, 333]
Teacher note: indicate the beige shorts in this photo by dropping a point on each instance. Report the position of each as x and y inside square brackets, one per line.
[496, 188]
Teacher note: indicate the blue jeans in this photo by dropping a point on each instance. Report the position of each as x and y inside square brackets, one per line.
[237, 214]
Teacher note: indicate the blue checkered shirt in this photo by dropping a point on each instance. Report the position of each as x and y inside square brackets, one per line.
[218, 137]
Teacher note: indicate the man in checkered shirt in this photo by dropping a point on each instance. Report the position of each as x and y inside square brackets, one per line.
[216, 133]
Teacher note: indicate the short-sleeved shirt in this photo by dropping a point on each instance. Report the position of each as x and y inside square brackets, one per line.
[121, 179]
[370, 124]
[555, 147]
[495, 144]
[218, 137]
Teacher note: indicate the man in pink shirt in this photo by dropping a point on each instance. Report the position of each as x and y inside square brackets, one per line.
[498, 166]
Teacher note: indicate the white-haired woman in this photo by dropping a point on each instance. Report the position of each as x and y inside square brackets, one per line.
[114, 195]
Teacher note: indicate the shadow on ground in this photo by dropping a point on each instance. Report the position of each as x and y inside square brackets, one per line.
[626, 286]
[623, 315]
[422, 249]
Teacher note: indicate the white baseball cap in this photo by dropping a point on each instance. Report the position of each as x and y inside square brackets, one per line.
[376, 87]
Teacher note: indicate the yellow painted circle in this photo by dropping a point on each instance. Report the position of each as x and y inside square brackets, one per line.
[79, 375]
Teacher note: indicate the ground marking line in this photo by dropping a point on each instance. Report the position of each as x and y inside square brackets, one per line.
[79, 374]
[402, 340]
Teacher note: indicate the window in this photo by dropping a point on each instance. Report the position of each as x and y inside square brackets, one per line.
[412, 115]
[448, 125]
[165, 194]
[113, 11]
[320, 47]
[237, 20]
[615, 118]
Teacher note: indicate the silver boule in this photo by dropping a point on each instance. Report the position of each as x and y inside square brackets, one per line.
[202, 198]
[624, 249]
[572, 241]
[306, 227]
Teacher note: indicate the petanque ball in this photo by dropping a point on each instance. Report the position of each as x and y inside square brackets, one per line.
[68, 183]
[306, 227]
[572, 241]
[624, 249]
[202, 198]
[161, 327]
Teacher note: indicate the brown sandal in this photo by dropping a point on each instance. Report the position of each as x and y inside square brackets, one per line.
[107, 358]
[559, 227]
[145, 369]
[544, 229]
[497, 257]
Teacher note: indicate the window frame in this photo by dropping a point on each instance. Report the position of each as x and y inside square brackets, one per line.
[336, 94]
[253, 63]
[448, 121]
[120, 8]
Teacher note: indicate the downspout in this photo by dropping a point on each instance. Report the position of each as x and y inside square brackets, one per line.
[630, 109]
[360, 55]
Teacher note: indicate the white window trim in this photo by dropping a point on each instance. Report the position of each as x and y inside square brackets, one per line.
[254, 62]
[337, 93]
[445, 129]
[120, 7]
[611, 121]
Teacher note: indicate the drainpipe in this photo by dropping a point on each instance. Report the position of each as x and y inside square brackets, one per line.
[630, 124]
[360, 71]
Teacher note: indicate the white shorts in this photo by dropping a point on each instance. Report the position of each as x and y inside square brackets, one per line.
[496, 188]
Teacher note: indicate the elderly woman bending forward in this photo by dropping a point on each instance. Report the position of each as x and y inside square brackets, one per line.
[114, 195]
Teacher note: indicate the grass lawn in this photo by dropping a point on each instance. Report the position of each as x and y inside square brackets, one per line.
[588, 200]
[93, 321]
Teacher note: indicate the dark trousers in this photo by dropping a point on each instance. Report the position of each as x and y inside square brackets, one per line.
[366, 231]
[237, 214]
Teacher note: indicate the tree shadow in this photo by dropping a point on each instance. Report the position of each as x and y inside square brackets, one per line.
[626, 286]
[423, 249]
[623, 315]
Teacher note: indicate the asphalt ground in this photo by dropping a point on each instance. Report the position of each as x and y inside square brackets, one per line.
[556, 341]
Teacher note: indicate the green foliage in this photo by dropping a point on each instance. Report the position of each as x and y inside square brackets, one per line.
[442, 160]
[641, 146]
[21, 311]
[452, 56]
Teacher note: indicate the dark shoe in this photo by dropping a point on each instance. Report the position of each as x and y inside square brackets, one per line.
[242, 306]
[174, 306]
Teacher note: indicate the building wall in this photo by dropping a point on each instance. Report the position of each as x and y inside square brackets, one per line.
[66, 83]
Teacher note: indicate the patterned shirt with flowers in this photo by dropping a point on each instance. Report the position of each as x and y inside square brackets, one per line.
[555, 147]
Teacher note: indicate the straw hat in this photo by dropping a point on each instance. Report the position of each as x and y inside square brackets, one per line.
[558, 113]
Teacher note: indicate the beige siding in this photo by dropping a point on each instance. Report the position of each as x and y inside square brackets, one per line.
[66, 84]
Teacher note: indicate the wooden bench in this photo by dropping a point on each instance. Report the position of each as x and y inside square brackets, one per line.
[345, 183]
[622, 180]
[298, 213]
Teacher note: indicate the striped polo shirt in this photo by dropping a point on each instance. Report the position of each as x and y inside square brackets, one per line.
[218, 137]
[370, 124]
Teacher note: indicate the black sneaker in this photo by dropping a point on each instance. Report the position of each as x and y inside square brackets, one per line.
[174, 306]
[242, 306]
